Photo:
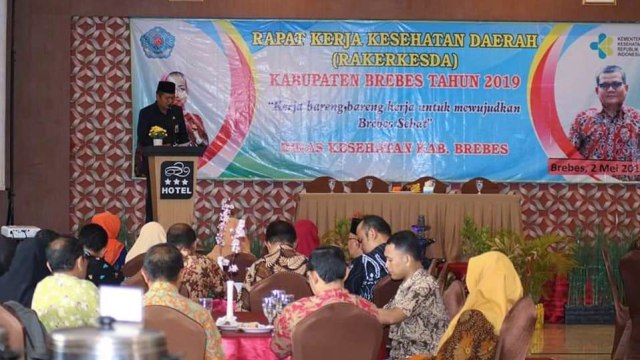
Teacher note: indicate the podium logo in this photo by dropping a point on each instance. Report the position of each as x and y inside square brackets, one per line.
[176, 180]
[602, 46]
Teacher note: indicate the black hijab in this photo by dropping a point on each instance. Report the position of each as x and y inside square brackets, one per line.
[28, 267]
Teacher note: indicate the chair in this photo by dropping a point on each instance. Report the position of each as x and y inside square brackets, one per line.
[136, 281]
[14, 329]
[377, 185]
[517, 331]
[321, 185]
[290, 282]
[185, 337]
[630, 268]
[385, 290]
[488, 186]
[440, 187]
[442, 277]
[454, 298]
[337, 331]
[622, 312]
[134, 265]
[242, 261]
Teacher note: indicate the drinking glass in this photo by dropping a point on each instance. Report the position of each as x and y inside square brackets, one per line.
[332, 185]
[269, 309]
[369, 184]
[206, 303]
[479, 185]
[288, 299]
[277, 295]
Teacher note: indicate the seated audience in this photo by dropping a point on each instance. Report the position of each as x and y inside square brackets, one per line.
[416, 313]
[307, 235]
[326, 272]
[115, 253]
[99, 272]
[373, 233]
[353, 247]
[28, 267]
[201, 277]
[162, 270]
[281, 256]
[152, 233]
[65, 299]
[494, 287]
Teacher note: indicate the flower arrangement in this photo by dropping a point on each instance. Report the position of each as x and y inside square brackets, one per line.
[237, 233]
[156, 132]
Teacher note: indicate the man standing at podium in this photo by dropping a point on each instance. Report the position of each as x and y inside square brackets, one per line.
[169, 117]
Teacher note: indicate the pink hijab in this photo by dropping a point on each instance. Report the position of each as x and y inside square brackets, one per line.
[307, 234]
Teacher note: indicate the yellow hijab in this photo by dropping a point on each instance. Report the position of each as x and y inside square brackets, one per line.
[494, 287]
[152, 233]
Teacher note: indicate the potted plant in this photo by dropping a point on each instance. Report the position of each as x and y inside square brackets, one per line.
[536, 260]
[157, 133]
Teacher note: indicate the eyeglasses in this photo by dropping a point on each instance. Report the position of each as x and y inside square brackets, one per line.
[615, 85]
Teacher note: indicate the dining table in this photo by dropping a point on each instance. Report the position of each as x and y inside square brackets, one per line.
[239, 345]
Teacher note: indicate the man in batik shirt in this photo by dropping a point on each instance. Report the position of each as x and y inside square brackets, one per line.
[65, 299]
[162, 269]
[327, 269]
[201, 277]
[416, 313]
[281, 239]
[611, 131]
[373, 233]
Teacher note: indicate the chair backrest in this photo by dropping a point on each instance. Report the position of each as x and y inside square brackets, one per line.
[292, 283]
[442, 276]
[243, 261]
[385, 290]
[611, 279]
[136, 281]
[630, 268]
[454, 298]
[337, 331]
[133, 266]
[488, 186]
[185, 337]
[439, 188]
[321, 185]
[14, 329]
[517, 331]
[377, 186]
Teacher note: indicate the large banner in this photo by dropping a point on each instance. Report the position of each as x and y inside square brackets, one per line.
[399, 100]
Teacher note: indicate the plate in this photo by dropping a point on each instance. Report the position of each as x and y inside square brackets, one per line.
[228, 327]
[258, 330]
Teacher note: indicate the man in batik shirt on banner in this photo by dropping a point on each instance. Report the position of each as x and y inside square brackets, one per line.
[611, 131]
[416, 313]
[327, 269]
[281, 239]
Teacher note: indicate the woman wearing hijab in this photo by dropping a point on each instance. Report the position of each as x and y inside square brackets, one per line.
[115, 253]
[307, 237]
[152, 233]
[494, 287]
[28, 267]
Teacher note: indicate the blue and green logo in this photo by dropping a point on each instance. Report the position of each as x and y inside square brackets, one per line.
[602, 46]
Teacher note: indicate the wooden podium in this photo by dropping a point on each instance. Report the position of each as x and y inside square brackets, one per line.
[172, 171]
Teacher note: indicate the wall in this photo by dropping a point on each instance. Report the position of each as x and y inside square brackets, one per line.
[45, 181]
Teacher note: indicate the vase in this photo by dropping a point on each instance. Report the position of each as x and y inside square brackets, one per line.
[157, 142]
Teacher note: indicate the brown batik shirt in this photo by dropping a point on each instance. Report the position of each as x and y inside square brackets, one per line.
[283, 259]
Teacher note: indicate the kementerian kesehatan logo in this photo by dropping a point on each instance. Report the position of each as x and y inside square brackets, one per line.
[602, 46]
[157, 43]
[176, 179]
